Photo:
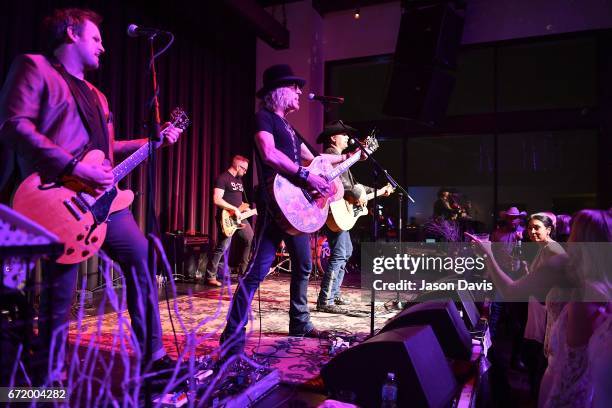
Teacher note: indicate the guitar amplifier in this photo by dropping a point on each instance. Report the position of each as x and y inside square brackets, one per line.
[184, 252]
[22, 242]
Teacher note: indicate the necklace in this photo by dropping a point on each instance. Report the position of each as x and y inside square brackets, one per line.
[291, 133]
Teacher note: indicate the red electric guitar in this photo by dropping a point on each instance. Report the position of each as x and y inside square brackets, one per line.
[72, 212]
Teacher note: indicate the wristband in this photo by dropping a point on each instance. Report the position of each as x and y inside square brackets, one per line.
[302, 174]
[69, 167]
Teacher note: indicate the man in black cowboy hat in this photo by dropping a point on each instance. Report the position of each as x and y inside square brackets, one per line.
[335, 139]
[279, 150]
[508, 235]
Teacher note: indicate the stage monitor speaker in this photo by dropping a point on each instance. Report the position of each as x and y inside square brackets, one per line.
[423, 376]
[464, 300]
[184, 252]
[446, 323]
[423, 73]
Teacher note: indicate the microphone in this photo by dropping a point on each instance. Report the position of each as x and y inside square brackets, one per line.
[326, 99]
[136, 31]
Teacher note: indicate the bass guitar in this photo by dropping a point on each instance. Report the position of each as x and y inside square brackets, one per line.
[230, 223]
[343, 215]
[298, 211]
[70, 209]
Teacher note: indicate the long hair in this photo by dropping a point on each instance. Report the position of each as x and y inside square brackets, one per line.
[591, 263]
[563, 226]
[277, 99]
[55, 26]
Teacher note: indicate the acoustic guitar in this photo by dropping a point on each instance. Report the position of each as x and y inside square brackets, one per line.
[298, 210]
[343, 215]
[72, 211]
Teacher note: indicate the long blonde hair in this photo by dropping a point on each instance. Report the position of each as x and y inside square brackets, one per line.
[278, 98]
[592, 262]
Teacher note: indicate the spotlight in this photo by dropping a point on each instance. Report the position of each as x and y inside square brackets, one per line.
[357, 14]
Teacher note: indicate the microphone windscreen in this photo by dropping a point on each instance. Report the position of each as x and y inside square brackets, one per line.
[311, 96]
[131, 30]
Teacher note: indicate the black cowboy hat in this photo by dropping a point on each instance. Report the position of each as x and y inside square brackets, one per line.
[337, 127]
[277, 76]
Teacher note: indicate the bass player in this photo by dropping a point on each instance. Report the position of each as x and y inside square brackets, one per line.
[227, 195]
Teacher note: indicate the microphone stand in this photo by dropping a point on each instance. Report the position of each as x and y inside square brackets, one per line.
[397, 303]
[377, 169]
[151, 224]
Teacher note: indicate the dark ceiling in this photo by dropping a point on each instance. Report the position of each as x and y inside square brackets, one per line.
[328, 6]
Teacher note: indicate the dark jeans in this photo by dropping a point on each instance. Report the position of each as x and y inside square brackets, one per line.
[514, 316]
[267, 238]
[126, 244]
[341, 249]
[244, 236]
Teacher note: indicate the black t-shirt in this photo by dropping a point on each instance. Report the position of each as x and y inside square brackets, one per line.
[89, 109]
[232, 186]
[285, 138]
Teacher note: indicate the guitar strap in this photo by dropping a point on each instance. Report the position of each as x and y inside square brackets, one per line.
[89, 108]
[308, 145]
[262, 190]
[244, 195]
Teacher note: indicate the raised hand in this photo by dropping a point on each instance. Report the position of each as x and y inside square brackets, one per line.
[171, 134]
[387, 190]
[484, 246]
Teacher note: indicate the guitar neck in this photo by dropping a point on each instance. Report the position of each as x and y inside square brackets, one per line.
[245, 214]
[378, 193]
[344, 166]
[180, 120]
[129, 164]
[249, 213]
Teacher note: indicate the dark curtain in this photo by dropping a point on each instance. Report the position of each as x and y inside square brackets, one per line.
[209, 71]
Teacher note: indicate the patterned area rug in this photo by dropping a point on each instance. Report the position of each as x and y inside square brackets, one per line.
[200, 317]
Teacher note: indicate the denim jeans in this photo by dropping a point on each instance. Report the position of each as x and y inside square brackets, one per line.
[341, 249]
[126, 244]
[245, 237]
[267, 239]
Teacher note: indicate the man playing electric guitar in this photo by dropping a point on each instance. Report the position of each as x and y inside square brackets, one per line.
[227, 195]
[280, 150]
[50, 116]
[335, 139]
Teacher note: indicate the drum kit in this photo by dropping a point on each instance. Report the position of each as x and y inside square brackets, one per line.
[320, 257]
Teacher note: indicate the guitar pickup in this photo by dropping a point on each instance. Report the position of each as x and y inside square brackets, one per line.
[72, 210]
[77, 200]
